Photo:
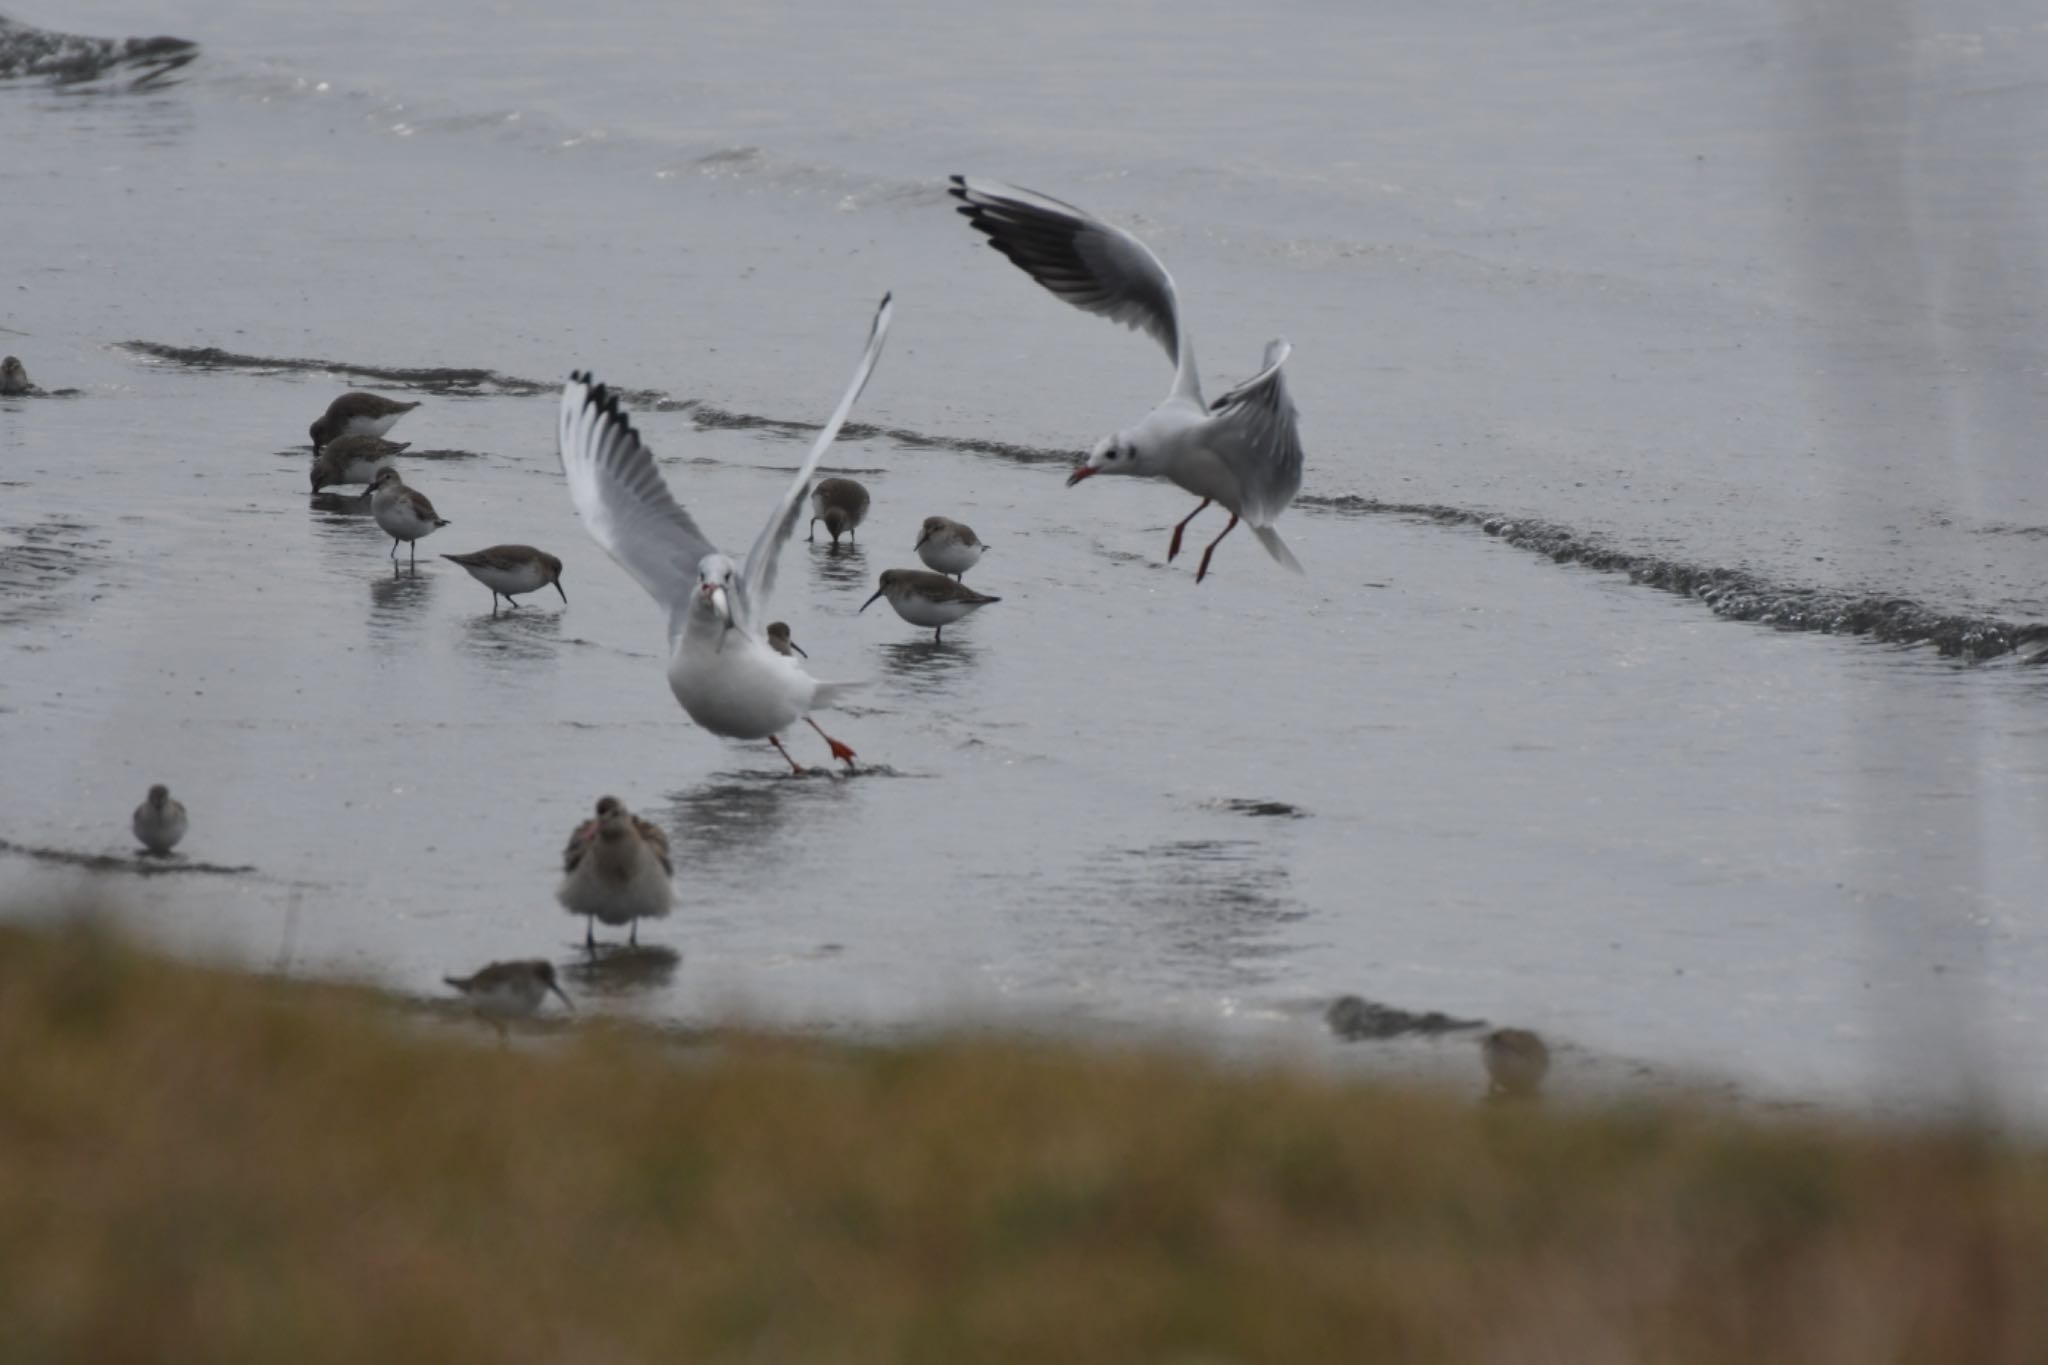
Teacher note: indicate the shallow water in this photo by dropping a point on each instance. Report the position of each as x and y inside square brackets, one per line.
[1705, 288]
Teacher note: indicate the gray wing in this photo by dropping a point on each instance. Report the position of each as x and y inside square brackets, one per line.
[1253, 429]
[622, 499]
[757, 579]
[1085, 261]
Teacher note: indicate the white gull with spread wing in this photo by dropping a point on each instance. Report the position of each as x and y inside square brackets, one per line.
[721, 666]
[1243, 452]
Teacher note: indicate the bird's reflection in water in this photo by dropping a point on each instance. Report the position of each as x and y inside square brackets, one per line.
[524, 635]
[725, 826]
[398, 604]
[400, 594]
[1217, 911]
[845, 564]
[613, 970]
[928, 662]
[344, 506]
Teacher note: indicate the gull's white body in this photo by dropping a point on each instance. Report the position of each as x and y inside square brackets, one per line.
[721, 666]
[735, 684]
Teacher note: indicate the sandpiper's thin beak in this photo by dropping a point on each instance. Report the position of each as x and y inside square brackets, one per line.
[869, 603]
[562, 997]
[1086, 471]
[921, 539]
[565, 602]
[798, 648]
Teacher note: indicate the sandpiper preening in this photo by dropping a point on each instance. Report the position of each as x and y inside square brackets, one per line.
[510, 990]
[511, 569]
[357, 414]
[1516, 1062]
[948, 546]
[616, 869]
[730, 679]
[928, 599]
[353, 459]
[159, 821]
[14, 381]
[404, 513]
[842, 504]
[779, 641]
[1243, 451]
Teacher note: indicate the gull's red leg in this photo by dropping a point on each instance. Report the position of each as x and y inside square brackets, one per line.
[777, 742]
[1203, 572]
[1174, 548]
[839, 751]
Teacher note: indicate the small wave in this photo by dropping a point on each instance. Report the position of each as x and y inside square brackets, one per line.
[140, 864]
[73, 59]
[432, 379]
[1733, 593]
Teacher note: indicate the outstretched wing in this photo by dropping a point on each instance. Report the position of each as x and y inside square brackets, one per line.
[1085, 261]
[1253, 429]
[757, 578]
[622, 499]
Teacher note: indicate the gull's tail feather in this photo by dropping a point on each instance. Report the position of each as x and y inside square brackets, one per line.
[1277, 547]
[830, 694]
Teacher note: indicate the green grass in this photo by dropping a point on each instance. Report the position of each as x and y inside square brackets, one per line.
[200, 1166]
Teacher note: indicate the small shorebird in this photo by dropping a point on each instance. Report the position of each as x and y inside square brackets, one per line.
[14, 382]
[1243, 452]
[842, 504]
[928, 599]
[404, 513]
[1516, 1062]
[948, 546]
[727, 677]
[353, 459]
[779, 641]
[616, 869]
[159, 822]
[510, 569]
[357, 414]
[510, 990]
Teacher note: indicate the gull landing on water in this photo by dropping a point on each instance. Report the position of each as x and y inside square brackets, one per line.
[1243, 451]
[727, 676]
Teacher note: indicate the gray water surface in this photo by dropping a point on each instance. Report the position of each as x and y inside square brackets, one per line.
[1741, 287]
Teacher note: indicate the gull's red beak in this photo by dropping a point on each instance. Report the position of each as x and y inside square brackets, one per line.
[1081, 472]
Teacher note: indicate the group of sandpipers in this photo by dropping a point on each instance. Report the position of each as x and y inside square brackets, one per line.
[732, 669]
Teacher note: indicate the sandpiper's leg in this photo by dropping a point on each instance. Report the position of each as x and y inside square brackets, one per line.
[394, 549]
[633, 935]
[777, 742]
[1203, 572]
[812, 538]
[839, 751]
[1174, 548]
[590, 932]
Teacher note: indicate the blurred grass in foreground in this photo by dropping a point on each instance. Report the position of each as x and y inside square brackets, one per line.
[199, 1166]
